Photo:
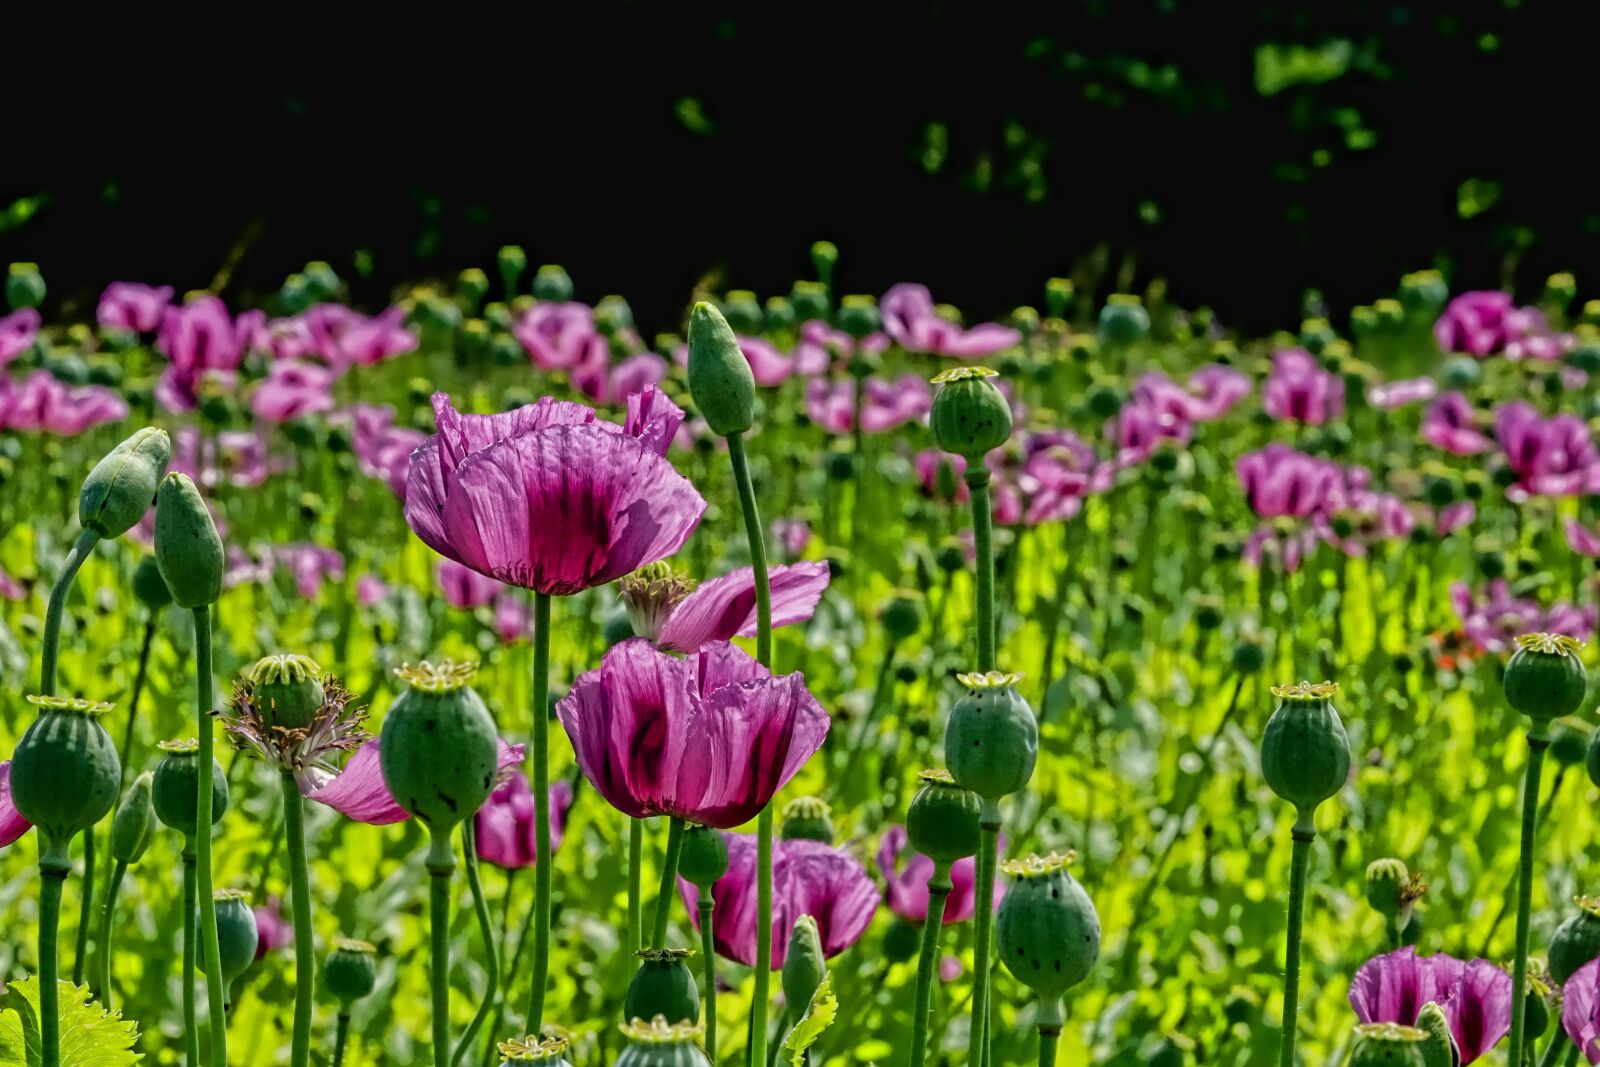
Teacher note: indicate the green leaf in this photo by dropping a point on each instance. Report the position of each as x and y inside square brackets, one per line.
[820, 1013]
[90, 1036]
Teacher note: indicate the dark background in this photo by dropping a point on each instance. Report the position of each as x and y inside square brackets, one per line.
[1242, 151]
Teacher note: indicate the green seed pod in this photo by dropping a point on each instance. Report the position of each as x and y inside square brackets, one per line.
[810, 301]
[119, 490]
[1545, 678]
[440, 750]
[513, 263]
[550, 1051]
[663, 985]
[859, 317]
[1305, 755]
[901, 614]
[1424, 292]
[704, 858]
[951, 556]
[1576, 941]
[472, 285]
[720, 379]
[743, 312]
[188, 549]
[236, 935]
[779, 313]
[943, 820]
[24, 286]
[1047, 930]
[1058, 297]
[65, 772]
[1385, 878]
[658, 1043]
[176, 788]
[901, 941]
[136, 819]
[1388, 1045]
[1123, 320]
[552, 284]
[1536, 1019]
[287, 690]
[1439, 1050]
[1568, 745]
[804, 966]
[350, 971]
[970, 416]
[149, 586]
[991, 741]
[807, 819]
[824, 257]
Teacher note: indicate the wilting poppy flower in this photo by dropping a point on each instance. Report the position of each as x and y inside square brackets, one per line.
[1451, 425]
[908, 885]
[910, 317]
[360, 793]
[708, 739]
[132, 306]
[12, 824]
[1299, 390]
[724, 607]
[1580, 1009]
[505, 826]
[1551, 457]
[1475, 996]
[549, 498]
[808, 878]
[18, 331]
[1494, 619]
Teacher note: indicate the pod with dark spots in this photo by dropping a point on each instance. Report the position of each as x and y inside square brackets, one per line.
[287, 690]
[1545, 678]
[1388, 1045]
[663, 985]
[188, 550]
[175, 789]
[350, 971]
[991, 740]
[943, 820]
[807, 819]
[237, 936]
[720, 379]
[970, 416]
[135, 821]
[122, 486]
[1305, 754]
[659, 1043]
[804, 966]
[1576, 941]
[1047, 929]
[440, 750]
[65, 771]
[1439, 1050]
[549, 1051]
[704, 858]
[149, 586]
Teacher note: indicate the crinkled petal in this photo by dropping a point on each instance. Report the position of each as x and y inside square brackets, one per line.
[359, 791]
[1580, 1009]
[1478, 1006]
[725, 607]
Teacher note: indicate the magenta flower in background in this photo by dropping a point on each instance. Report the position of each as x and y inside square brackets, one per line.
[1580, 538]
[132, 306]
[233, 457]
[1139, 428]
[463, 587]
[791, 535]
[370, 589]
[18, 331]
[505, 826]
[1451, 425]
[43, 402]
[10, 588]
[725, 607]
[1474, 323]
[1454, 517]
[1214, 390]
[1059, 469]
[1300, 390]
[1580, 1009]
[708, 739]
[1354, 516]
[1475, 996]
[885, 404]
[1280, 482]
[821, 344]
[1391, 396]
[383, 448]
[293, 390]
[1494, 619]
[613, 383]
[354, 339]
[561, 336]
[808, 878]
[12, 824]
[201, 341]
[548, 497]
[273, 932]
[1551, 457]
[908, 885]
[909, 316]
[359, 792]
[1528, 336]
[309, 566]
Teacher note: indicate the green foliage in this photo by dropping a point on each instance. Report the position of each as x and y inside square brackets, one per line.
[90, 1036]
[820, 1014]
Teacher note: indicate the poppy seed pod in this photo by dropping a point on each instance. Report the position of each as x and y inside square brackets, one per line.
[175, 790]
[810, 300]
[704, 858]
[804, 966]
[901, 941]
[440, 750]
[658, 1043]
[859, 316]
[550, 1051]
[350, 971]
[720, 379]
[1536, 1003]
[287, 690]
[1544, 678]
[513, 262]
[1385, 878]
[1305, 755]
[663, 985]
[970, 416]
[1439, 1050]
[806, 819]
[237, 936]
[118, 492]
[65, 772]
[1248, 657]
[149, 586]
[1047, 929]
[552, 283]
[1576, 941]
[1388, 1045]
[1123, 320]
[188, 549]
[991, 741]
[943, 820]
[131, 829]
[24, 286]
[743, 311]
[902, 614]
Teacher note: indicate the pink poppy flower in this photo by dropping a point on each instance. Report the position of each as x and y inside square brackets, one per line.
[791, 536]
[613, 383]
[708, 739]
[1455, 517]
[1475, 996]
[909, 316]
[132, 306]
[1451, 425]
[12, 824]
[18, 331]
[1551, 457]
[1581, 539]
[561, 336]
[463, 587]
[1059, 470]
[201, 341]
[273, 931]
[1139, 428]
[1278, 481]
[1494, 619]
[359, 792]
[1299, 390]
[1580, 1009]
[370, 589]
[293, 390]
[354, 339]
[1214, 390]
[10, 588]
[1391, 396]
[885, 404]
[908, 885]
[506, 825]
[725, 607]
[549, 498]
[234, 457]
[808, 878]
[309, 566]
[42, 402]
[1474, 323]
[821, 345]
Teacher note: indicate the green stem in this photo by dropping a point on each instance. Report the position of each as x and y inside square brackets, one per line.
[982, 937]
[80, 955]
[708, 953]
[480, 906]
[541, 810]
[1047, 1047]
[203, 819]
[669, 872]
[52, 875]
[106, 911]
[56, 608]
[305, 971]
[635, 895]
[1519, 973]
[758, 1007]
[758, 548]
[928, 962]
[133, 702]
[441, 864]
[1051, 1020]
[1552, 1052]
[983, 541]
[191, 1029]
[880, 697]
[340, 1036]
[1304, 833]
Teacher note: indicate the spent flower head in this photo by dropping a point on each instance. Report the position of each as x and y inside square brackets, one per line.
[308, 752]
[650, 594]
[532, 1049]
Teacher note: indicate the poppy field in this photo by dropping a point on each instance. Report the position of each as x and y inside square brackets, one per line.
[477, 680]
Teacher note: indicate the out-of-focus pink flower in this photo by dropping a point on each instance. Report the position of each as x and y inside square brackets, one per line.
[1581, 539]
[1451, 425]
[233, 457]
[1280, 482]
[10, 588]
[910, 317]
[356, 339]
[18, 331]
[1580, 1009]
[950, 968]
[768, 366]
[506, 826]
[12, 824]
[908, 885]
[1475, 323]
[613, 383]
[42, 402]
[383, 448]
[941, 475]
[464, 587]
[1455, 517]
[370, 589]
[132, 306]
[1475, 996]
[309, 566]
[201, 342]
[359, 792]
[791, 536]
[725, 607]
[273, 932]
[244, 567]
[293, 390]
[1528, 336]
[1391, 396]
[1059, 469]
[1551, 457]
[821, 345]
[1495, 618]
[560, 336]
[512, 620]
[1214, 390]
[1140, 427]
[885, 404]
[1299, 390]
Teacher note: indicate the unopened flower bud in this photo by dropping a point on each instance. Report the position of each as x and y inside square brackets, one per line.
[149, 586]
[943, 820]
[552, 284]
[440, 749]
[824, 257]
[663, 985]
[472, 285]
[1104, 400]
[350, 971]
[1058, 297]
[1545, 678]
[513, 261]
[743, 311]
[1568, 746]
[286, 689]
[1047, 929]
[1305, 754]
[24, 286]
[720, 380]
[135, 821]
[804, 966]
[122, 486]
[65, 771]
[1385, 877]
[612, 315]
[970, 416]
[991, 741]
[807, 819]
[1439, 1050]
[175, 789]
[188, 549]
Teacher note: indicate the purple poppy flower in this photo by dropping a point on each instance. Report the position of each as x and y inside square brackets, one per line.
[1474, 323]
[1454, 517]
[1141, 426]
[1494, 619]
[908, 885]
[549, 498]
[1475, 996]
[821, 345]
[10, 588]
[1391, 396]
[808, 878]
[791, 535]
[1214, 390]
[359, 792]
[1580, 1009]
[560, 336]
[910, 317]
[505, 826]
[293, 390]
[42, 402]
[608, 383]
[12, 824]
[1299, 390]
[132, 306]
[464, 587]
[201, 342]
[885, 404]
[363, 341]
[1059, 470]
[383, 448]
[18, 331]
[1451, 425]
[725, 607]
[273, 931]
[1581, 539]
[232, 457]
[1551, 457]
[1278, 481]
[708, 739]
[370, 589]
[309, 566]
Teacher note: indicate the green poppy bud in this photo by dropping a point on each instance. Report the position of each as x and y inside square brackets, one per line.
[780, 313]
[1385, 878]
[1439, 1050]
[991, 741]
[704, 858]
[1058, 297]
[350, 971]
[970, 416]
[951, 556]
[549, 1051]
[322, 281]
[1305, 755]
[859, 317]
[149, 586]
[552, 284]
[901, 941]
[188, 549]
[658, 1043]
[943, 820]
[236, 935]
[1047, 930]
[1123, 321]
[119, 490]
[132, 828]
[65, 772]
[804, 966]
[743, 311]
[440, 750]
[824, 257]
[472, 285]
[663, 985]
[1544, 678]
[176, 788]
[841, 467]
[513, 262]
[901, 614]
[810, 300]
[1576, 941]
[24, 286]
[1026, 320]
[720, 380]
[1388, 1045]
[1424, 292]
[807, 819]
[1208, 613]
[287, 690]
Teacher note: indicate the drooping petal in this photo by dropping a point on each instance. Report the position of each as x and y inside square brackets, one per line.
[725, 607]
[425, 494]
[12, 824]
[359, 791]
[1580, 1009]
